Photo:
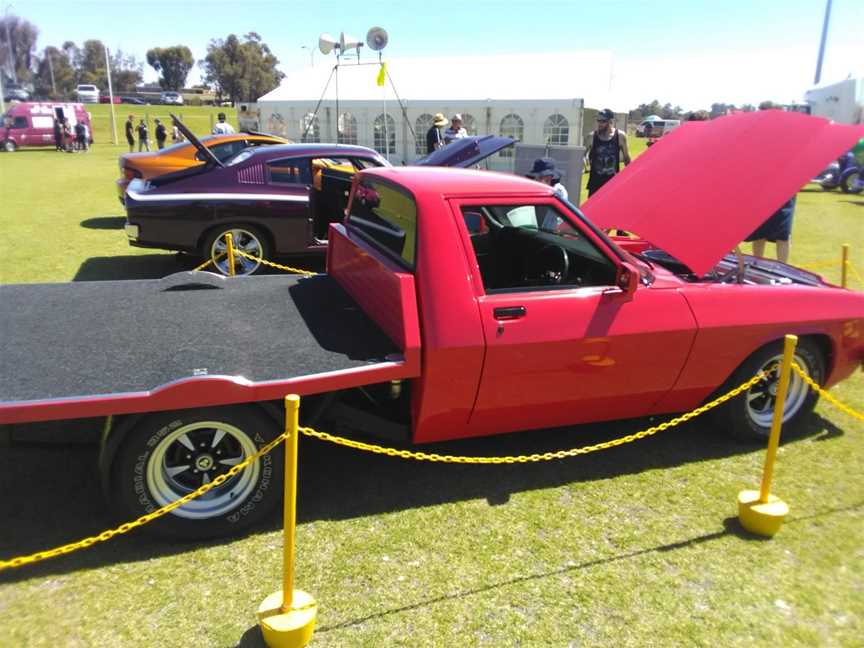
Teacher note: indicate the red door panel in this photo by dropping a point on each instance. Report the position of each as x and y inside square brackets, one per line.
[558, 357]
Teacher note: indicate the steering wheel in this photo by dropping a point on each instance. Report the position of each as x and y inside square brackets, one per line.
[550, 265]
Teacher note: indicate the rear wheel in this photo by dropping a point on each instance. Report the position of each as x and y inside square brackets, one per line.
[170, 454]
[246, 239]
[749, 415]
[852, 183]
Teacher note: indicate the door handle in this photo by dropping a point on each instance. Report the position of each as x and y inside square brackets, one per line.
[509, 312]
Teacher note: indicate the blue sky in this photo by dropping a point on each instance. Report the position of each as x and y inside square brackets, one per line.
[686, 53]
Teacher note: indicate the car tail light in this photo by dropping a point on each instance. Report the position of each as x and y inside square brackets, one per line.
[131, 173]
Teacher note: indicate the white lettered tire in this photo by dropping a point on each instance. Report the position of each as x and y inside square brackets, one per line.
[170, 454]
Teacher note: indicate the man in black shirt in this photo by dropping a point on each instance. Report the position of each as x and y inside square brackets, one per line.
[434, 139]
[130, 132]
[161, 134]
[606, 148]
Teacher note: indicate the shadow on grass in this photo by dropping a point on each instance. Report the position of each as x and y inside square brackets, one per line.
[104, 222]
[156, 266]
[50, 495]
[141, 266]
[859, 203]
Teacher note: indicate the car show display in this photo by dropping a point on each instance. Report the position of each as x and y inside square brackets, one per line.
[457, 303]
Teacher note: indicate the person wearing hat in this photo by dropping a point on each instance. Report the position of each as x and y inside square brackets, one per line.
[455, 131]
[434, 138]
[544, 171]
[605, 149]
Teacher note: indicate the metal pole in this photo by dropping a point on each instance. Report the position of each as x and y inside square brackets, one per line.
[229, 239]
[822, 42]
[292, 416]
[844, 265]
[51, 70]
[789, 343]
[111, 99]
[9, 45]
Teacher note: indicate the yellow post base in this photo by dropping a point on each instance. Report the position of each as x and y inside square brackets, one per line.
[292, 629]
[761, 518]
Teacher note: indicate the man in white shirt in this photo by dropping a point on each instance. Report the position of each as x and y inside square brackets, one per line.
[223, 127]
[455, 131]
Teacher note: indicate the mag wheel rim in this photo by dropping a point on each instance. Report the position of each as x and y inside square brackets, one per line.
[194, 455]
[245, 241]
[762, 397]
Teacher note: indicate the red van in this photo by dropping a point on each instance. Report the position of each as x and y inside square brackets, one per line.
[32, 124]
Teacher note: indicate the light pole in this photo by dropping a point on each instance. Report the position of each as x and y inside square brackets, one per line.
[311, 54]
[9, 43]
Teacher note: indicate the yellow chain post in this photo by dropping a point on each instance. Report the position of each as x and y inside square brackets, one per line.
[844, 265]
[229, 240]
[287, 617]
[761, 512]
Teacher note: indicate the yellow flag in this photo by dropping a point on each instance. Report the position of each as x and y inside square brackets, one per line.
[382, 74]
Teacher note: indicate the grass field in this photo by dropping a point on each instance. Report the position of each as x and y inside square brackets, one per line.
[629, 547]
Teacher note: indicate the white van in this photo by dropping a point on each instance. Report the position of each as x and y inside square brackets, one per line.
[655, 128]
[87, 93]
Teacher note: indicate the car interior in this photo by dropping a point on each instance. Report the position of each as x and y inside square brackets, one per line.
[331, 186]
[527, 247]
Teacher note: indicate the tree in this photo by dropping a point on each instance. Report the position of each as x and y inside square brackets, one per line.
[17, 48]
[241, 71]
[89, 64]
[62, 84]
[173, 65]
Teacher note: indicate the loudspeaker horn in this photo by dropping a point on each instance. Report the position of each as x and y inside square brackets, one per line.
[326, 43]
[348, 42]
[376, 38]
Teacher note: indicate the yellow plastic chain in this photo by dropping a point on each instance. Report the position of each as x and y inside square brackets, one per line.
[144, 519]
[532, 458]
[825, 393]
[855, 272]
[274, 265]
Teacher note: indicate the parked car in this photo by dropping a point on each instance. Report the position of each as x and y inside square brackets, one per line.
[30, 124]
[14, 92]
[275, 200]
[136, 101]
[185, 155]
[104, 99]
[171, 98]
[87, 93]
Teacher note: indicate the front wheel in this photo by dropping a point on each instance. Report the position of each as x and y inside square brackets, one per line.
[9, 146]
[170, 454]
[246, 239]
[749, 415]
[852, 183]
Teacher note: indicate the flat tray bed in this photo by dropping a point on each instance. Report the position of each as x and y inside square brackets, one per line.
[65, 341]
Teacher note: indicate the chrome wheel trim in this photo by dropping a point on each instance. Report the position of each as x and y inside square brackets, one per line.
[195, 454]
[763, 395]
[243, 240]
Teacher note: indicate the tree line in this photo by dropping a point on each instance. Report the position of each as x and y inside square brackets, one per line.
[236, 69]
[668, 111]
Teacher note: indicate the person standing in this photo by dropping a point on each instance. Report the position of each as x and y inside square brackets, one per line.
[544, 171]
[58, 135]
[79, 137]
[143, 136]
[605, 149]
[455, 130]
[778, 227]
[130, 132]
[161, 134]
[176, 137]
[222, 127]
[434, 138]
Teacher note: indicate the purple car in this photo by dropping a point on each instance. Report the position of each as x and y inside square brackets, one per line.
[275, 200]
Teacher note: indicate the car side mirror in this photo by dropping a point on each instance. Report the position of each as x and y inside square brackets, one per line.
[627, 279]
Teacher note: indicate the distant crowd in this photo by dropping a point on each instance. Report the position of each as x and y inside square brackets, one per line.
[71, 139]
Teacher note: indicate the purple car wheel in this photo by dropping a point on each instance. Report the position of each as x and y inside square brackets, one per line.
[247, 240]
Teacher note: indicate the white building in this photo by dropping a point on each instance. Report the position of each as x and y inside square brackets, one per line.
[535, 98]
[842, 102]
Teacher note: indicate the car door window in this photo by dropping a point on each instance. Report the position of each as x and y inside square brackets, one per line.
[289, 171]
[533, 247]
[19, 122]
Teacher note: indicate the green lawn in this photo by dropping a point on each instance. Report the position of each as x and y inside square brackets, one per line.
[633, 546]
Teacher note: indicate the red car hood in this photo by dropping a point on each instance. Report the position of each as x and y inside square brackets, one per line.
[706, 186]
